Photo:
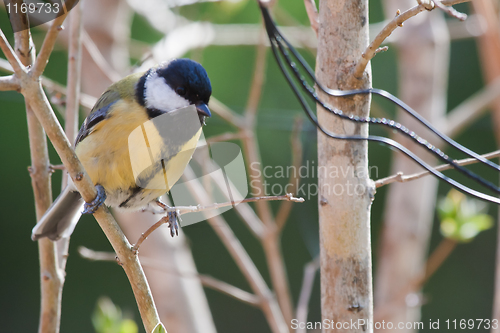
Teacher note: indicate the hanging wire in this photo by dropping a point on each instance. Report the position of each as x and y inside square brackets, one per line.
[280, 47]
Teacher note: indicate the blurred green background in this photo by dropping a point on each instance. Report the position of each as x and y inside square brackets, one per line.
[462, 288]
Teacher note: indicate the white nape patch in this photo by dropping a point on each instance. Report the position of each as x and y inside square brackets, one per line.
[159, 95]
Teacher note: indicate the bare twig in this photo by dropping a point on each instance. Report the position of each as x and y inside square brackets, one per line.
[98, 58]
[49, 42]
[9, 53]
[224, 137]
[310, 270]
[450, 11]
[226, 113]
[206, 280]
[196, 209]
[271, 239]
[72, 102]
[399, 177]
[74, 72]
[269, 305]
[312, 13]
[389, 28]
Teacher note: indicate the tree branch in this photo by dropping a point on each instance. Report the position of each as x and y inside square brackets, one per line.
[401, 178]
[49, 41]
[35, 97]
[471, 109]
[310, 270]
[196, 209]
[9, 83]
[390, 27]
[269, 305]
[206, 280]
[9, 53]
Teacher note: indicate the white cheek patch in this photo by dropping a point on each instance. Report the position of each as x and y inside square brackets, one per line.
[160, 96]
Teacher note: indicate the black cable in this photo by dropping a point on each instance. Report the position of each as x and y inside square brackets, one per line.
[271, 30]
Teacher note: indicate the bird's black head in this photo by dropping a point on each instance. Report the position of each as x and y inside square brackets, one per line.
[173, 85]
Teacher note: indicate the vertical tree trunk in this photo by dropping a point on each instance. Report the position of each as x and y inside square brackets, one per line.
[346, 191]
[423, 56]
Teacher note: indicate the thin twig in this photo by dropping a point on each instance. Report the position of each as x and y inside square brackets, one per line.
[226, 113]
[310, 270]
[196, 209]
[49, 42]
[11, 56]
[225, 137]
[401, 178]
[206, 280]
[450, 11]
[388, 29]
[269, 305]
[98, 58]
[74, 73]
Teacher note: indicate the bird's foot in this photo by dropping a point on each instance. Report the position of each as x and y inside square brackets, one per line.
[173, 223]
[90, 208]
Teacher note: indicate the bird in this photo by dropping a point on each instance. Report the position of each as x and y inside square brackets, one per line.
[166, 106]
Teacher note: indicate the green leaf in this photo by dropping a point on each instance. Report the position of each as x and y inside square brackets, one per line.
[462, 218]
[108, 318]
[159, 329]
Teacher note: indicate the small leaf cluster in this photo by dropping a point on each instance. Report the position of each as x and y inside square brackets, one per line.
[462, 218]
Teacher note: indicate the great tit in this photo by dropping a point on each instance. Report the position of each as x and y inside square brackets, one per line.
[103, 144]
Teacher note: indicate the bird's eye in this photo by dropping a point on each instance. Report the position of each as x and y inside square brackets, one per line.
[180, 91]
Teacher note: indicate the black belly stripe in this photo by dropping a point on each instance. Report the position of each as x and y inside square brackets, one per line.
[135, 191]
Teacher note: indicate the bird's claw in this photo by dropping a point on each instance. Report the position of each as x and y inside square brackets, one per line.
[173, 223]
[90, 208]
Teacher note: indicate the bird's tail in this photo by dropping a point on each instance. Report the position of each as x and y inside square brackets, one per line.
[61, 217]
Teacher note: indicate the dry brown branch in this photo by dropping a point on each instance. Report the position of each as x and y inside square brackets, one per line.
[196, 209]
[206, 280]
[296, 144]
[401, 178]
[389, 28]
[312, 13]
[310, 270]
